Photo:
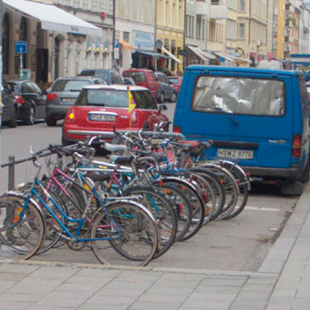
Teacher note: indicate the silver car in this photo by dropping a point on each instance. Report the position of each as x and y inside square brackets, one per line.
[62, 95]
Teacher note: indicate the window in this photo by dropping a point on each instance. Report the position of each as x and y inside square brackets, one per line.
[228, 95]
[241, 5]
[231, 30]
[126, 36]
[241, 31]
[69, 85]
[144, 100]
[27, 88]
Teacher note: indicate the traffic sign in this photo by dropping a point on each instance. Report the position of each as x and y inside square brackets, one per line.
[116, 43]
[21, 47]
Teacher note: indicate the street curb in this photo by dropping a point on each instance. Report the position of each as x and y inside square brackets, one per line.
[280, 251]
[142, 269]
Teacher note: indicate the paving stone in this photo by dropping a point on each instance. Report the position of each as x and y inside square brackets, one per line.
[222, 282]
[212, 297]
[144, 305]
[284, 292]
[193, 304]
[14, 305]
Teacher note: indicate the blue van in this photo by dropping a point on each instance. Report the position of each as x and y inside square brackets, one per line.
[256, 117]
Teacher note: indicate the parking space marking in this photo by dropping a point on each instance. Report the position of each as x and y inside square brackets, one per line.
[262, 209]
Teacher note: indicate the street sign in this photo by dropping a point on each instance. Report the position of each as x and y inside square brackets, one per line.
[116, 43]
[21, 47]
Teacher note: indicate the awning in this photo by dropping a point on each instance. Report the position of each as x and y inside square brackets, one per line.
[126, 45]
[205, 56]
[171, 55]
[153, 54]
[54, 19]
[224, 55]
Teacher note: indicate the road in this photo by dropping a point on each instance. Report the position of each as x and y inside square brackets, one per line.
[239, 244]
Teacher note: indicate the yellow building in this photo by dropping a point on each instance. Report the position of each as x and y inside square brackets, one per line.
[169, 33]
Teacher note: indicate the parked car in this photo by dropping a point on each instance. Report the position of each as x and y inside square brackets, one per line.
[30, 100]
[176, 82]
[100, 108]
[9, 107]
[143, 77]
[165, 90]
[258, 117]
[109, 75]
[62, 95]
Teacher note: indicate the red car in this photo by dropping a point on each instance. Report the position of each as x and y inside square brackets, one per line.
[100, 108]
[143, 77]
[176, 82]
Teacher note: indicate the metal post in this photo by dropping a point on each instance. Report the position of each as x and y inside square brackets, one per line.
[11, 168]
[0, 73]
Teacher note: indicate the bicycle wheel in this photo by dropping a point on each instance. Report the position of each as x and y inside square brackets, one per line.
[130, 231]
[243, 183]
[163, 212]
[181, 205]
[230, 185]
[22, 226]
[207, 193]
[218, 190]
[53, 229]
[193, 194]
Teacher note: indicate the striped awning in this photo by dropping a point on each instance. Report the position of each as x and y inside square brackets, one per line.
[126, 45]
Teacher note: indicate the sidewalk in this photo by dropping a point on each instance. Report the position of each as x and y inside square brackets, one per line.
[281, 283]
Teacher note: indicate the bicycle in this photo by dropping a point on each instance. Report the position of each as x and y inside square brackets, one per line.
[119, 229]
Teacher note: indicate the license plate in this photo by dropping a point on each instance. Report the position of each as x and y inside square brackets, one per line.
[102, 117]
[235, 154]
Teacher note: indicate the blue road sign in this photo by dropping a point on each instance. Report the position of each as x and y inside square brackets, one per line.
[21, 47]
[116, 43]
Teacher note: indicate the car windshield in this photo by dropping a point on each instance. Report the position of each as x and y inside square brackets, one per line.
[115, 98]
[69, 85]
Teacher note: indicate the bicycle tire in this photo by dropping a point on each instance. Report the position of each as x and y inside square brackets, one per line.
[244, 186]
[163, 212]
[207, 193]
[182, 208]
[138, 229]
[22, 226]
[218, 189]
[196, 202]
[230, 186]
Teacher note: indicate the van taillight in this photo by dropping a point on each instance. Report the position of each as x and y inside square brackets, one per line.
[20, 99]
[177, 129]
[296, 146]
[51, 97]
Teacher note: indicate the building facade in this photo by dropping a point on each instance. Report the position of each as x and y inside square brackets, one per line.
[135, 33]
[62, 46]
[169, 33]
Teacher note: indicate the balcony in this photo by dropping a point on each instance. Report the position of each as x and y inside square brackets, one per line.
[218, 12]
[202, 8]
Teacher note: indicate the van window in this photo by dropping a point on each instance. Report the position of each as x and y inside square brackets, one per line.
[239, 96]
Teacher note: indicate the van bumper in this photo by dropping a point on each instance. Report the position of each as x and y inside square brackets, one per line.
[274, 173]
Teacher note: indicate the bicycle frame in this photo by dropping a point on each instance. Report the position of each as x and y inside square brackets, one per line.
[80, 221]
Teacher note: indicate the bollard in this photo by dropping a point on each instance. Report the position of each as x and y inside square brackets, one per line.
[11, 172]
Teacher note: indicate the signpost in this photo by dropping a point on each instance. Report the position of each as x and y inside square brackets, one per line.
[116, 49]
[21, 49]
